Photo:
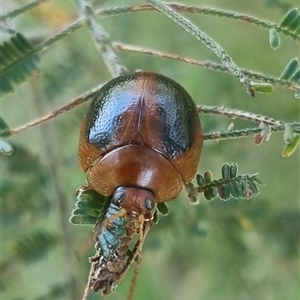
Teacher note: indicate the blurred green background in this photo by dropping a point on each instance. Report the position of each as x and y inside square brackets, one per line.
[216, 250]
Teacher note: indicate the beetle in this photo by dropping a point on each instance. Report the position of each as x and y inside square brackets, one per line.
[142, 130]
[140, 141]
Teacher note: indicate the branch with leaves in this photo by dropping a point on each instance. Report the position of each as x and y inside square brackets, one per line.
[21, 58]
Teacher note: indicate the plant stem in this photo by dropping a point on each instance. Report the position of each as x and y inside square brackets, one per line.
[275, 125]
[207, 41]
[195, 9]
[110, 58]
[234, 113]
[236, 134]
[208, 65]
[55, 113]
[26, 7]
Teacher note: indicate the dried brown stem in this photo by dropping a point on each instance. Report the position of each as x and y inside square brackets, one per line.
[55, 113]
[103, 43]
[207, 65]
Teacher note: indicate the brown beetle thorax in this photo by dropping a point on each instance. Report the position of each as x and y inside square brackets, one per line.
[135, 166]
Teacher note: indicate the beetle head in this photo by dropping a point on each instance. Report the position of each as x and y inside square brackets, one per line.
[136, 201]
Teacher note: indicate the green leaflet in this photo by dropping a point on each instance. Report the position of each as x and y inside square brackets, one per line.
[17, 63]
[290, 148]
[229, 186]
[274, 38]
[5, 147]
[290, 69]
[289, 18]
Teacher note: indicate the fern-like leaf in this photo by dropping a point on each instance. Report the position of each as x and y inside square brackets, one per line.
[58, 291]
[90, 207]
[229, 186]
[290, 69]
[289, 18]
[33, 246]
[17, 62]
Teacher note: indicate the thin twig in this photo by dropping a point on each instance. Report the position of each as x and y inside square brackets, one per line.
[207, 65]
[26, 7]
[110, 58]
[195, 9]
[275, 125]
[126, 47]
[207, 41]
[55, 113]
[234, 113]
[236, 134]
[57, 37]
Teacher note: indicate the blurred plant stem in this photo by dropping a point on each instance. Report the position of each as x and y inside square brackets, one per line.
[58, 197]
[20, 10]
[226, 60]
[208, 65]
[101, 39]
[274, 125]
[207, 11]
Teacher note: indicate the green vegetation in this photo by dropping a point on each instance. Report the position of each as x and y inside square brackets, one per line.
[235, 249]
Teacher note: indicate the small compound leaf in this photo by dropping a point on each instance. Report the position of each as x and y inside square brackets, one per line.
[18, 62]
[289, 18]
[230, 185]
[86, 212]
[274, 39]
[289, 149]
[297, 94]
[233, 190]
[239, 190]
[90, 207]
[162, 208]
[263, 88]
[290, 69]
[233, 170]
[3, 126]
[263, 135]
[295, 24]
[77, 219]
[253, 187]
[288, 134]
[200, 180]
[207, 176]
[225, 171]
[33, 246]
[224, 192]
[255, 179]
[213, 192]
[5, 147]
[207, 195]
[247, 193]
[155, 217]
[296, 77]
